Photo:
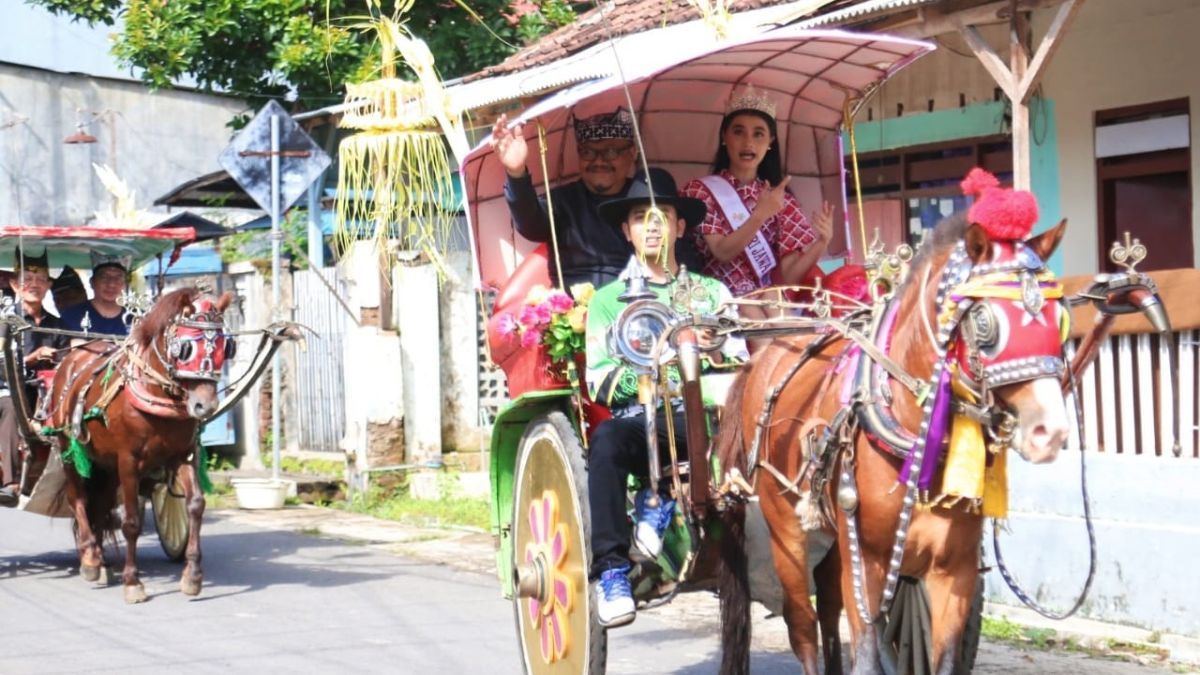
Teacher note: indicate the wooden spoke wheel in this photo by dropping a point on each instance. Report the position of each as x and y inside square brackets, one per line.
[555, 614]
[170, 516]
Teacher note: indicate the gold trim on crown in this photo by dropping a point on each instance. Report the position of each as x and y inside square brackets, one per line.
[751, 99]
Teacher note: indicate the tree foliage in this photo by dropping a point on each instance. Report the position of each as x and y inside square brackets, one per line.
[302, 49]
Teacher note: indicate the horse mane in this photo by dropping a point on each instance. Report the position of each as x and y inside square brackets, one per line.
[161, 314]
[948, 232]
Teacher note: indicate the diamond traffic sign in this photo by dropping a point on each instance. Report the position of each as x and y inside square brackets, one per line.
[247, 158]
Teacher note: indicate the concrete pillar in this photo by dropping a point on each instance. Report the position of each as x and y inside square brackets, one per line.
[416, 287]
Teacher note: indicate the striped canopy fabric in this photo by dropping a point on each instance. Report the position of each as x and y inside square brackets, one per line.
[679, 103]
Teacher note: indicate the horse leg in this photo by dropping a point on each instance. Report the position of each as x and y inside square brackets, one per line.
[131, 527]
[827, 578]
[91, 557]
[951, 591]
[864, 648]
[789, 550]
[193, 575]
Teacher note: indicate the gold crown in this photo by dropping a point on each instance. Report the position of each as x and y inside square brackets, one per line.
[751, 99]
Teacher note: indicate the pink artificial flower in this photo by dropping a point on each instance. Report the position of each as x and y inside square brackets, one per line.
[506, 325]
[529, 317]
[531, 338]
[560, 302]
[544, 314]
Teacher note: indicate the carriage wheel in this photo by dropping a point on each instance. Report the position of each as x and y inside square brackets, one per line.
[171, 516]
[556, 618]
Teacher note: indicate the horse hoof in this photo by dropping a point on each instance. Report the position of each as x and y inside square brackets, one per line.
[135, 594]
[90, 573]
[190, 586]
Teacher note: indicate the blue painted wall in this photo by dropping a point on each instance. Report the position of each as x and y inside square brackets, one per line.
[981, 119]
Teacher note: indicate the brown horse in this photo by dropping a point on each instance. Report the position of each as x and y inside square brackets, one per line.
[826, 440]
[134, 408]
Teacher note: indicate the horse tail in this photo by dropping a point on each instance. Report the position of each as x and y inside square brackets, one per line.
[101, 493]
[734, 590]
[734, 577]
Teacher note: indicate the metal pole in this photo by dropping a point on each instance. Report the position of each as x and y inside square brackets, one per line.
[276, 236]
[316, 237]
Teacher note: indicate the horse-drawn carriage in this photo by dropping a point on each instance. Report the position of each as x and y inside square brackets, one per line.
[116, 421]
[798, 438]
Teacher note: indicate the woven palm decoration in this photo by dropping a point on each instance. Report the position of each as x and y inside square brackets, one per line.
[395, 176]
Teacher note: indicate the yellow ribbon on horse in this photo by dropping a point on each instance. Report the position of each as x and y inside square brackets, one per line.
[966, 474]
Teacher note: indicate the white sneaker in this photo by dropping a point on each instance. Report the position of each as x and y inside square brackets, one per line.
[652, 522]
[614, 598]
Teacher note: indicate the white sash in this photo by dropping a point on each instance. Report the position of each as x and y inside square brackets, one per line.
[758, 251]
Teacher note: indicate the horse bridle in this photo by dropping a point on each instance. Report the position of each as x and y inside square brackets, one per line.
[964, 290]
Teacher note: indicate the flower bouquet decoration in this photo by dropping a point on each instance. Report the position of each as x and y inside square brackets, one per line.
[553, 319]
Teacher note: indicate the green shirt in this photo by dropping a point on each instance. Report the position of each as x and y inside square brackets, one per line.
[610, 381]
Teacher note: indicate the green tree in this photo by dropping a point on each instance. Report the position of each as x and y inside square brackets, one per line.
[302, 49]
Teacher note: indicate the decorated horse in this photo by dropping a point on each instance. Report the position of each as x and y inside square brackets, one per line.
[118, 412]
[891, 428]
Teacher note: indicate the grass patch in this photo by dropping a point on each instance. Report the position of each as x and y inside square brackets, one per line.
[294, 466]
[1001, 629]
[452, 510]
[311, 531]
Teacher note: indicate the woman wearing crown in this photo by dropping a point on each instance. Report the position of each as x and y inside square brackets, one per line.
[755, 234]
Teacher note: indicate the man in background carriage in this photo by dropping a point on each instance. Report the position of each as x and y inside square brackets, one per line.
[619, 446]
[589, 249]
[68, 290]
[30, 283]
[102, 314]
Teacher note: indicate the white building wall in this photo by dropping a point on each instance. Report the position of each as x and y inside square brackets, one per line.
[154, 141]
[1117, 53]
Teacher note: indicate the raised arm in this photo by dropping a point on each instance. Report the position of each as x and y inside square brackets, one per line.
[528, 212]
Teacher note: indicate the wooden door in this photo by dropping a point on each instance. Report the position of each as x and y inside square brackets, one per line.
[1155, 209]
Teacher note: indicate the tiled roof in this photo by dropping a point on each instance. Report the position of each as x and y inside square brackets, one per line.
[624, 17]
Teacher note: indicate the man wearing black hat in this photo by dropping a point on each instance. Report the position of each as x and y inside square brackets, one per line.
[590, 249]
[31, 283]
[618, 446]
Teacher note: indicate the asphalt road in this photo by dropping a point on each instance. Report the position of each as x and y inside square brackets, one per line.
[277, 600]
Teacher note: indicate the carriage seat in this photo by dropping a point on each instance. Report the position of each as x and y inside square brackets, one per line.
[529, 370]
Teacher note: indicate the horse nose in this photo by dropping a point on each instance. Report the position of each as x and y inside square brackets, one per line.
[1045, 440]
[200, 409]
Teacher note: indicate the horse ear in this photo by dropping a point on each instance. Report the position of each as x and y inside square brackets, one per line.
[224, 300]
[1045, 243]
[979, 247]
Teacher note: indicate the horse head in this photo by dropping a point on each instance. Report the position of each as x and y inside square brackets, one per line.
[184, 338]
[1009, 349]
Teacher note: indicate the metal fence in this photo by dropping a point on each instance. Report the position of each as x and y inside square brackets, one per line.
[320, 387]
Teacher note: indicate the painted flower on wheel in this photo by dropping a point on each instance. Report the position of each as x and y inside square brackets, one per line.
[548, 546]
[552, 318]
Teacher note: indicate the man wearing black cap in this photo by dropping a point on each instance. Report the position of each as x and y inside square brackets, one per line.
[590, 249]
[31, 283]
[618, 446]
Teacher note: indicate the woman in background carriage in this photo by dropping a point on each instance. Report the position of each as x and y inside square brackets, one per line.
[755, 234]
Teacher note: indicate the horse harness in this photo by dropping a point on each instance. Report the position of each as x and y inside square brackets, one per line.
[197, 347]
[971, 354]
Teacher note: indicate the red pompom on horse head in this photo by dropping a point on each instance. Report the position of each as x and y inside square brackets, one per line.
[1004, 214]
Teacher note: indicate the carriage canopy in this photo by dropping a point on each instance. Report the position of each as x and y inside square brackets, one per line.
[679, 95]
